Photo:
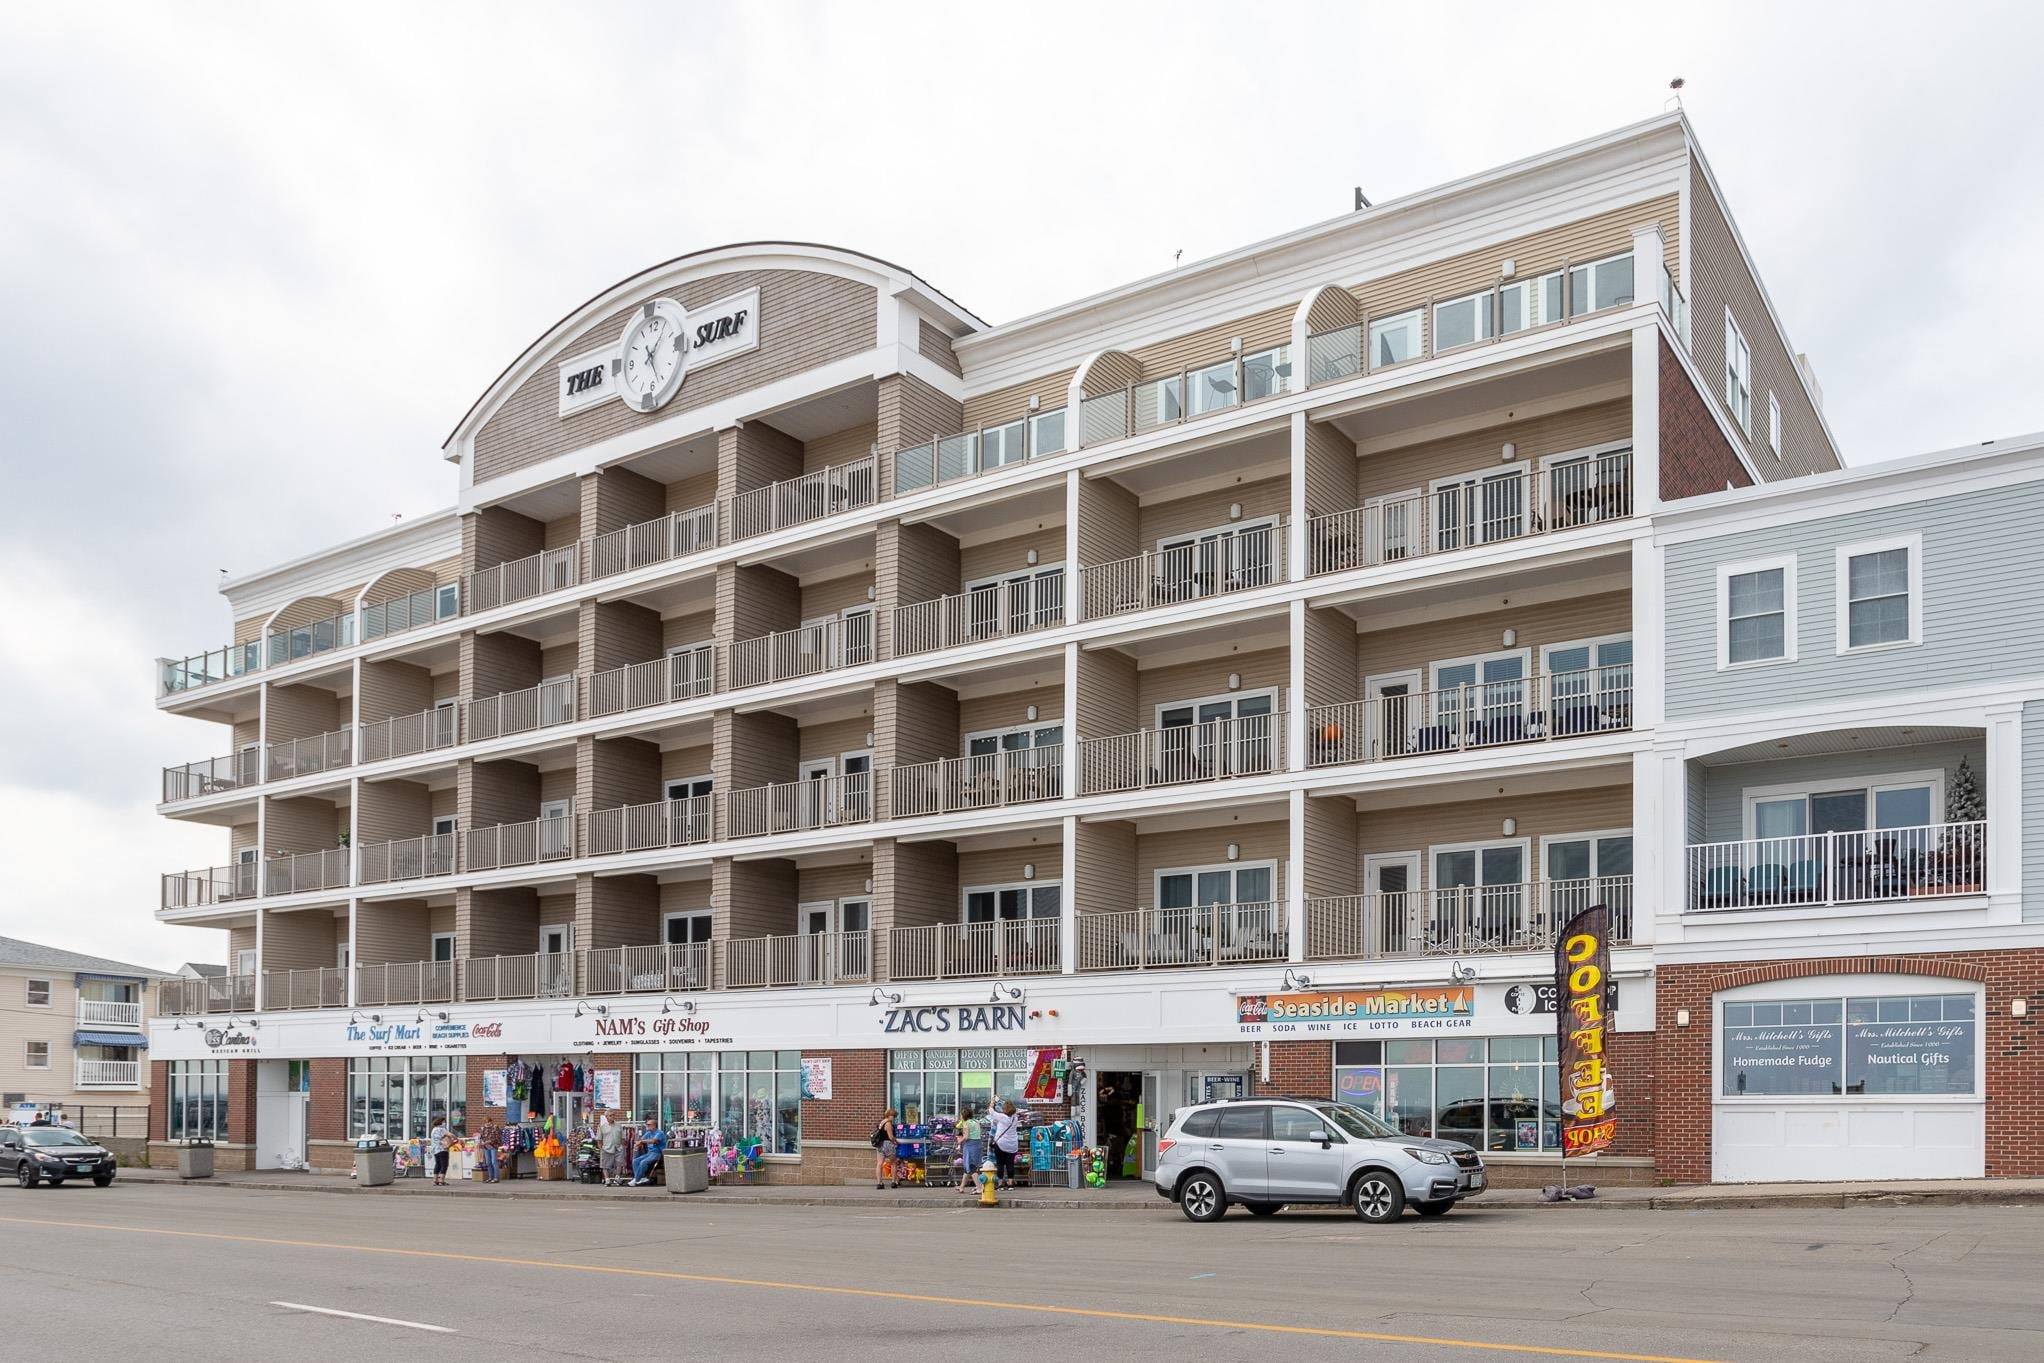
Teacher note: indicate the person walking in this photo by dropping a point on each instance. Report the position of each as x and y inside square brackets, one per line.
[883, 1151]
[652, 1147]
[488, 1137]
[972, 1148]
[610, 1140]
[441, 1139]
[1007, 1138]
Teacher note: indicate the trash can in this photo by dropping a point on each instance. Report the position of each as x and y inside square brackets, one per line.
[195, 1160]
[688, 1171]
[375, 1165]
[1074, 1170]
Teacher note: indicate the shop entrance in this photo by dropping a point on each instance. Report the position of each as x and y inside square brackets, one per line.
[1149, 1084]
[280, 1113]
[1118, 1099]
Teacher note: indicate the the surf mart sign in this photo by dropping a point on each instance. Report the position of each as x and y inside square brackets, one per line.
[546, 1032]
[695, 339]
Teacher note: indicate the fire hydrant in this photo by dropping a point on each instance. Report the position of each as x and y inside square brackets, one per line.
[989, 1195]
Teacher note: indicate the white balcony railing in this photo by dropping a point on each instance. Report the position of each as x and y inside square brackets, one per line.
[824, 646]
[108, 1013]
[679, 676]
[540, 975]
[675, 968]
[1216, 565]
[218, 776]
[1212, 750]
[415, 982]
[639, 828]
[1459, 920]
[520, 844]
[213, 885]
[1200, 391]
[304, 641]
[963, 951]
[518, 712]
[550, 570]
[409, 735]
[196, 997]
[432, 854]
[108, 1074]
[995, 611]
[1200, 935]
[1540, 708]
[809, 958]
[826, 492]
[1877, 865]
[1510, 504]
[325, 987]
[656, 541]
[310, 756]
[299, 872]
[793, 806]
[986, 781]
[948, 459]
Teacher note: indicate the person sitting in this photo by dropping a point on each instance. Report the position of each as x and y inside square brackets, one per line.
[652, 1147]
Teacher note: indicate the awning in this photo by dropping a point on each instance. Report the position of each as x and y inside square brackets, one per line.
[82, 976]
[111, 1039]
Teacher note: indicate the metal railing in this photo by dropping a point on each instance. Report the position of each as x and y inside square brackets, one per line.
[433, 854]
[193, 780]
[1535, 709]
[1675, 305]
[550, 570]
[409, 735]
[1216, 565]
[324, 987]
[672, 536]
[538, 975]
[1200, 935]
[304, 641]
[807, 958]
[826, 492]
[952, 458]
[995, 611]
[823, 802]
[519, 844]
[1928, 861]
[1334, 354]
[825, 646]
[298, 872]
[216, 994]
[963, 951]
[204, 669]
[309, 756]
[517, 712]
[1211, 750]
[1508, 505]
[108, 1074]
[663, 823]
[984, 781]
[1190, 393]
[678, 676]
[212, 885]
[108, 1013]
[404, 982]
[1459, 920]
[674, 968]
[409, 612]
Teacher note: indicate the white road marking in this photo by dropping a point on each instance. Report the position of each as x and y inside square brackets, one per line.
[374, 1320]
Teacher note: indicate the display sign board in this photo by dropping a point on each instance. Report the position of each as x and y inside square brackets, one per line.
[816, 1077]
[1342, 1012]
[714, 332]
[609, 1089]
[1582, 979]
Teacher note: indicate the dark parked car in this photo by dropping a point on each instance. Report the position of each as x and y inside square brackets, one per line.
[55, 1153]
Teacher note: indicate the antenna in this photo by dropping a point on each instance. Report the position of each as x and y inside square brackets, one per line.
[1362, 200]
[1175, 257]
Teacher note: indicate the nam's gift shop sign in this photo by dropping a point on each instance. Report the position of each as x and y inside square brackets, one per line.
[1582, 976]
[1407, 1009]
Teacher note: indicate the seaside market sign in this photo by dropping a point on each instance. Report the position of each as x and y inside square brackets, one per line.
[661, 342]
[1404, 1010]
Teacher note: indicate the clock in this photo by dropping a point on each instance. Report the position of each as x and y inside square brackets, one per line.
[652, 355]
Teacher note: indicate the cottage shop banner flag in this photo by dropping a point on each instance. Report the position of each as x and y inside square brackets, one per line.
[1582, 977]
[1042, 1085]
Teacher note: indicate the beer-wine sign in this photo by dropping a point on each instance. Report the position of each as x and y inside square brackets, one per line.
[1582, 974]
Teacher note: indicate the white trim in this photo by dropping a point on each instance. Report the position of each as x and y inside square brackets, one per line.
[966, 892]
[1841, 618]
[29, 1064]
[1583, 452]
[1842, 987]
[1743, 372]
[453, 947]
[1773, 423]
[1523, 654]
[1157, 882]
[667, 787]
[691, 915]
[1593, 644]
[1591, 837]
[1869, 785]
[49, 992]
[1030, 727]
[1726, 572]
[1416, 860]
[567, 931]
[1241, 527]
[1198, 701]
[1524, 846]
[826, 907]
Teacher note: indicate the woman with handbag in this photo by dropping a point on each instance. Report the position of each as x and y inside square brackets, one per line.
[883, 1151]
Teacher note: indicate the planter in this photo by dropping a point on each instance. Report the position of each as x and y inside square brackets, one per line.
[195, 1161]
[552, 1168]
[375, 1168]
[688, 1171]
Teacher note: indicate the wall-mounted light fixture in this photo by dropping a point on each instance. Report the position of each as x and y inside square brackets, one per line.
[1034, 402]
[1681, 1017]
[880, 996]
[1511, 637]
[423, 1015]
[1297, 979]
[2019, 1008]
[1507, 268]
[1006, 993]
[869, 884]
[355, 1018]
[1234, 851]
[872, 593]
[1511, 826]
[1234, 681]
[1029, 871]
[1030, 558]
[1031, 712]
[670, 1004]
[601, 1010]
[1234, 511]
[1510, 452]
[1235, 345]
[869, 738]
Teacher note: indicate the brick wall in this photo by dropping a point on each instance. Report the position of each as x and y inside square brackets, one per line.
[1304, 1069]
[1695, 458]
[858, 1086]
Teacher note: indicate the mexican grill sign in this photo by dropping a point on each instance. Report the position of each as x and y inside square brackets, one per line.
[1582, 974]
[663, 342]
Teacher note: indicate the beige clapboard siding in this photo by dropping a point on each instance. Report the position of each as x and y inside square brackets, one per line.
[304, 712]
[914, 884]
[558, 784]
[685, 764]
[492, 664]
[388, 931]
[562, 532]
[936, 346]
[1330, 470]
[1012, 403]
[1331, 658]
[616, 498]
[494, 535]
[695, 627]
[501, 922]
[1261, 670]
[833, 595]
[613, 634]
[249, 630]
[1547, 622]
[912, 563]
[1104, 856]
[1333, 865]
[752, 898]
[755, 455]
[1262, 499]
[913, 722]
[445, 800]
[1549, 814]
[1010, 556]
[1197, 348]
[1003, 865]
[686, 494]
[617, 771]
[248, 732]
[805, 320]
[1261, 840]
[239, 939]
[302, 825]
[1009, 710]
[558, 661]
[911, 412]
[684, 896]
[754, 749]
[390, 689]
[1416, 467]
[835, 738]
[308, 610]
[302, 941]
[847, 880]
[398, 582]
[392, 810]
[840, 447]
[616, 911]
[241, 837]
[1109, 521]
[1106, 702]
[499, 793]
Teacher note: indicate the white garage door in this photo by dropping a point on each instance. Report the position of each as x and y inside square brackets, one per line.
[1847, 1078]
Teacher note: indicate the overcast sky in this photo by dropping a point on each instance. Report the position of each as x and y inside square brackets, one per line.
[255, 261]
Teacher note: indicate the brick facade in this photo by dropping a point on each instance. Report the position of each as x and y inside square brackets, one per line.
[1695, 457]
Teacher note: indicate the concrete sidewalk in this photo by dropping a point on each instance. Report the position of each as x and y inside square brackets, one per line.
[1132, 1197]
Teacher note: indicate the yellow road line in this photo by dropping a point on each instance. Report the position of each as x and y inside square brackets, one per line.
[875, 1293]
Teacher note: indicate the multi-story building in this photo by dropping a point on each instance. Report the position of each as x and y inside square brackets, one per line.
[819, 700]
[76, 1029]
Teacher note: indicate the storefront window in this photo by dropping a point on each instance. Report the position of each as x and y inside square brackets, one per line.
[400, 1097]
[198, 1100]
[1895, 1045]
[675, 1089]
[939, 1081]
[748, 1094]
[1495, 1093]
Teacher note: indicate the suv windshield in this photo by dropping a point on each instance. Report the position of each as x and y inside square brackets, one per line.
[1357, 1122]
[52, 1135]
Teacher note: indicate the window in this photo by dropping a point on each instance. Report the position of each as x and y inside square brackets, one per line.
[1500, 1093]
[1394, 340]
[1882, 804]
[1030, 598]
[1008, 903]
[1904, 1046]
[1226, 558]
[446, 600]
[1218, 735]
[443, 946]
[1266, 373]
[1589, 684]
[36, 1055]
[1223, 912]
[1774, 424]
[1738, 375]
[1880, 593]
[1243, 1122]
[1001, 445]
[1462, 321]
[1479, 700]
[692, 669]
[1601, 284]
[38, 993]
[1047, 433]
[759, 1098]
[1159, 402]
[1301, 1124]
[939, 1081]
[1584, 869]
[198, 1100]
[1201, 1124]
[400, 1097]
[1528, 303]
[686, 928]
[1756, 612]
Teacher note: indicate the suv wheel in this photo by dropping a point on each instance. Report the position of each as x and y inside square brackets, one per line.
[1200, 1197]
[102, 1180]
[1378, 1197]
[25, 1174]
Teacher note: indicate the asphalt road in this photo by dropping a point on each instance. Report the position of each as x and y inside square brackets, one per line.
[179, 1272]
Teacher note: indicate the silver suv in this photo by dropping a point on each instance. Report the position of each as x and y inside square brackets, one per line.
[1266, 1152]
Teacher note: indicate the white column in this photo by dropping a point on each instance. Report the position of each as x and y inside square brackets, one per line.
[1068, 921]
[1071, 743]
[1073, 584]
[1649, 636]
[348, 975]
[262, 842]
[1660, 841]
[1295, 880]
[260, 917]
[1295, 533]
[1295, 692]
[1646, 417]
[2004, 777]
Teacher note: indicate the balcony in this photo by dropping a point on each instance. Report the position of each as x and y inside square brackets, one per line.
[213, 885]
[985, 781]
[679, 676]
[643, 828]
[954, 458]
[797, 806]
[550, 570]
[1192, 393]
[1930, 861]
[409, 735]
[326, 987]
[521, 844]
[1466, 920]
[433, 854]
[676, 968]
[196, 998]
[964, 951]
[413, 611]
[1513, 504]
[204, 669]
[1176, 938]
[656, 541]
[109, 1013]
[813, 496]
[826, 646]
[1215, 566]
[519, 712]
[310, 756]
[411, 982]
[1536, 709]
[305, 641]
[216, 776]
[997, 611]
[107, 1074]
[815, 958]
[300, 872]
[540, 975]
[1213, 750]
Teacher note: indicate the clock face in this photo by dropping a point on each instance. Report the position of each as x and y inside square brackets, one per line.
[652, 355]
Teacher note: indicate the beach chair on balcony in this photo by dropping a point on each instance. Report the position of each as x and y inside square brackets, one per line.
[1722, 886]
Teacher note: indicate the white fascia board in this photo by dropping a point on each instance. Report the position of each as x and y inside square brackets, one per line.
[407, 543]
[1906, 707]
[1929, 935]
